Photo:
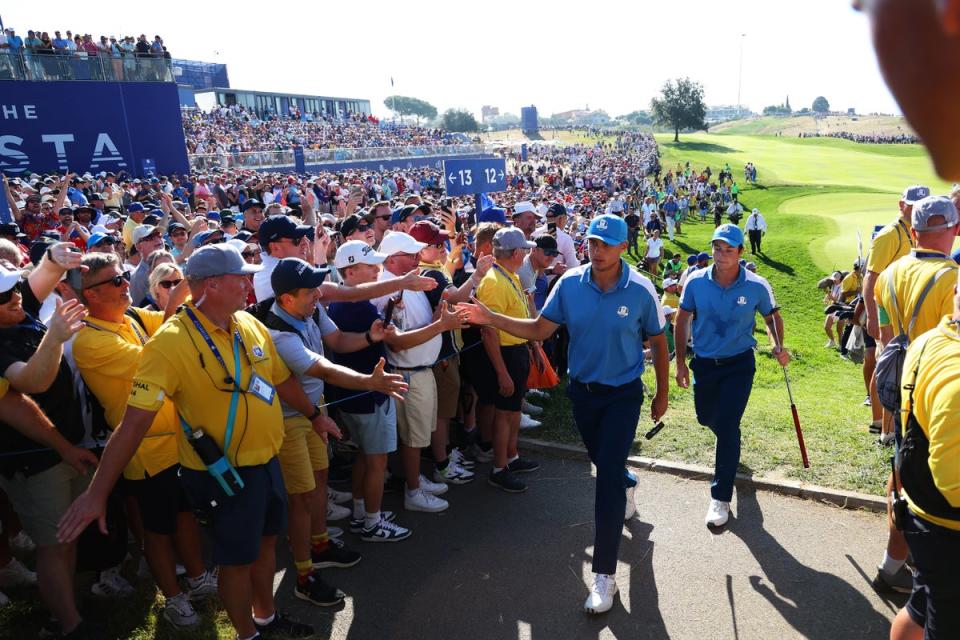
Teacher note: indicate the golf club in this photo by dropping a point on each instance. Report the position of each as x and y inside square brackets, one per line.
[793, 406]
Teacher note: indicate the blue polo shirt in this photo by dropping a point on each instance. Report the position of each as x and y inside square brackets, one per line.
[606, 328]
[724, 318]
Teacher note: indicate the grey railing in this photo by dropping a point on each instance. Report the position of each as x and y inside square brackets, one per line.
[26, 65]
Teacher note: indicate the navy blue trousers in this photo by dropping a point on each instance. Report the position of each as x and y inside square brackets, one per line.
[720, 395]
[607, 421]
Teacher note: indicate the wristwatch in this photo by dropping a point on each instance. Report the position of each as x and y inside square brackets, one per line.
[316, 413]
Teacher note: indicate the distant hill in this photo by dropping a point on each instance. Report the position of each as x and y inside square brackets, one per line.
[791, 126]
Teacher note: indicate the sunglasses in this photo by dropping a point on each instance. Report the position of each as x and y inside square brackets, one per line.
[116, 281]
[550, 253]
[386, 217]
[363, 227]
[7, 296]
[169, 284]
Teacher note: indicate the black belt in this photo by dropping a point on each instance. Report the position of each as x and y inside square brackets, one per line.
[721, 362]
[423, 368]
[596, 387]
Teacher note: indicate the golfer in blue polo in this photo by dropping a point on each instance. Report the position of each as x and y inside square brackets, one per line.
[724, 300]
[609, 311]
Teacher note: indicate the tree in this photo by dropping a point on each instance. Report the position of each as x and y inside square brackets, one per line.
[680, 106]
[820, 105]
[407, 106]
[638, 117]
[459, 120]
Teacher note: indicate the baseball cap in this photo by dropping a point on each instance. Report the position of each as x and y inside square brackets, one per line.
[142, 232]
[203, 236]
[351, 224]
[428, 232]
[523, 207]
[608, 228]
[493, 214]
[837, 275]
[398, 242]
[213, 215]
[510, 238]
[173, 226]
[670, 282]
[9, 229]
[915, 193]
[357, 252]
[556, 210]
[751, 266]
[96, 196]
[278, 227]
[692, 259]
[252, 202]
[97, 238]
[729, 233]
[218, 260]
[703, 257]
[930, 207]
[8, 278]
[402, 213]
[134, 207]
[294, 273]
[547, 243]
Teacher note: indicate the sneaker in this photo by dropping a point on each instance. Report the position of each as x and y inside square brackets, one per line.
[356, 524]
[537, 394]
[867, 402]
[531, 409]
[718, 513]
[336, 512]
[886, 439]
[420, 500]
[900, 582]
[601, 595]
[453, 474]
[436, 488]
[16, 575]
[526, 422]
[631, 509]
[385, 531]
[281, 627]
[461, 459]
[111, 584]
[335, 555]
[22, 543]
[179, 612]
[830, 345]
[338, 497]
[478, 454]
[876, 427]
[506, 481]
[203, 586]
[523, 465]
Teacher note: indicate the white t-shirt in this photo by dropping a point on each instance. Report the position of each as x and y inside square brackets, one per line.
[654, 245]
[413, 312]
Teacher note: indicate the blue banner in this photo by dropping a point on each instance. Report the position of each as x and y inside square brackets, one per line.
[298, 160]
[469, 176]
[90, 126]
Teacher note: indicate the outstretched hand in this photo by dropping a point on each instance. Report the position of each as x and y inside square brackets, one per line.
[476, 313]
[390, 384]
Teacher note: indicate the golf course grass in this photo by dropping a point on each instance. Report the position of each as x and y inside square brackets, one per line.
[815, 197]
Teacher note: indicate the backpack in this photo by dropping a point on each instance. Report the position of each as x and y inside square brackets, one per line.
[889, 370]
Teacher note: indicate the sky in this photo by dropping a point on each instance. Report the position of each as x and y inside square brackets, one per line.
[602, 54]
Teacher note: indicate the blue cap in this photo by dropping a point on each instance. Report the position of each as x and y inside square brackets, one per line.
[691, 260]
[701, 257]
[493, 214]
[914, 193]
[203, 236]
[97, 238]
[133, 208]
[277, 227]
[609, 229]
[729, 233]
[294, 273]
[213, 215]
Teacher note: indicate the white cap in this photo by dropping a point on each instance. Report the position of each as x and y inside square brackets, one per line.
[669, 282]
[358, 252]
[142, 232]
[399, 242]
[756, 210]
[8, 278]
[523, 207]
[241, 245]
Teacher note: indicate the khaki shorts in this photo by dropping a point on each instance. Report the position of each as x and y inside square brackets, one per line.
[302, 453]
[417, 414]
[41, 499]
[447, 375]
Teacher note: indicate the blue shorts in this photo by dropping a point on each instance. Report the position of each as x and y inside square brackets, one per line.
[238, 523]
[161, 499]
[935, 601]
[376, 432]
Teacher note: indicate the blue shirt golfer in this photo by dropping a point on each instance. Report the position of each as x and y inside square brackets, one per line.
[609, 310]
[723, 301]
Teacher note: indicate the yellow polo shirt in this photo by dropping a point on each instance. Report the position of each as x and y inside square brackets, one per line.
[670, 299]
[107, 355]
[910, 276]
[128, 228]
[936, 405]
[892, 242]
[178, 364]
[850, 286]
[500, 290]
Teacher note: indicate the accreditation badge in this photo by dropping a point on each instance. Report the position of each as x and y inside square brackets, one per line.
[261, 388]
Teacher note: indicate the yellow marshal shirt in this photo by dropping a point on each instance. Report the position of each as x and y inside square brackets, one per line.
[850, 286]
[892, 242]
[107, 355]
[501, 291]
[910, 275]
[936, 406]
[178, 364]
[4, 387]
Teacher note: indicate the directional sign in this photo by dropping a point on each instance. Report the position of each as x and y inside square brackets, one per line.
[475, 175]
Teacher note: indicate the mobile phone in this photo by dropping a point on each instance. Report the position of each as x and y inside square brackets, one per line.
[551, 227]
[388, 311]
[74, 279]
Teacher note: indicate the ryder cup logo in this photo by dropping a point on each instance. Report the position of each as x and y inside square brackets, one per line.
[601, 224]
[622, 312]
[257, 351]
[742, 300]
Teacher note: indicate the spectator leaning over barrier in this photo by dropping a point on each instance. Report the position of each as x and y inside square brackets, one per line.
[41, 484]
[204, 358]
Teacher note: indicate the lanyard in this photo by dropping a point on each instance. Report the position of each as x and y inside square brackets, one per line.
[133, 325]
[523, 298]
[903, 225]
[237, 347]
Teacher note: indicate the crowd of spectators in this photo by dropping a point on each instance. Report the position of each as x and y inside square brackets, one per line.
[867, 138]
[236, 129]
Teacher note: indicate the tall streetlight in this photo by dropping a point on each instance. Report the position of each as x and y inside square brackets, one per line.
[740, 74]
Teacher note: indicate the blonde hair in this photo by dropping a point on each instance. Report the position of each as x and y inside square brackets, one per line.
[162, 271]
